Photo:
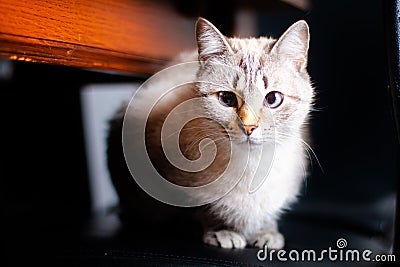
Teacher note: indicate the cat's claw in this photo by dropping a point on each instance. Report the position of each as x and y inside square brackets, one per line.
[273, 240]
[224, 239]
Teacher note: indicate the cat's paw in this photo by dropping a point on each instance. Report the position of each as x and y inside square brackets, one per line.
[224, 239]
[273, 240]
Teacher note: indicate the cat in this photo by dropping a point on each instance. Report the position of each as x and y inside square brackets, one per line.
[257, 97]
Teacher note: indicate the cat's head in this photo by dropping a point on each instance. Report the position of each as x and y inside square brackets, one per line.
[256, 88]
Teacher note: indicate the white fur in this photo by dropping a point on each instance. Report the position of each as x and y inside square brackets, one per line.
[252, 214]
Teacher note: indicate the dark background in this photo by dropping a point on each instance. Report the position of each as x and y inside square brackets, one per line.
[44, 178]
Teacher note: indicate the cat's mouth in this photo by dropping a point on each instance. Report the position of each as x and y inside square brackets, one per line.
[253, 141]
[250, 141]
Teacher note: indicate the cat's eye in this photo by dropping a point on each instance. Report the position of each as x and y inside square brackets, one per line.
[227, 98]
[273, 99]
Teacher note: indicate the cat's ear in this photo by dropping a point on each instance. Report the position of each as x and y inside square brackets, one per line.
[210, 41]
[293, 45]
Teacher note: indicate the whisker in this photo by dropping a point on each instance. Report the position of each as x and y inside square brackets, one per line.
[307, 148]
[279, 142]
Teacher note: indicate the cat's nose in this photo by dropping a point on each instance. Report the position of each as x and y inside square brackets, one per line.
[248, 129]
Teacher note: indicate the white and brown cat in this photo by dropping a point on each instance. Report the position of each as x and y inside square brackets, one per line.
[261, 100]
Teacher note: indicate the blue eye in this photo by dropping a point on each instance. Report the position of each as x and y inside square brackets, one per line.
[273, 99]
[227, 98]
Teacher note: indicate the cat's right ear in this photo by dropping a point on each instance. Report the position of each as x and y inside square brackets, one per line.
[210, 41]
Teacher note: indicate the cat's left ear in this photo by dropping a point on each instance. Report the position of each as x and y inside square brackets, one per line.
[293, 45]
[210, 41]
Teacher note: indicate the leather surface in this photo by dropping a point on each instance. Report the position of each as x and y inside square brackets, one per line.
[107, 242]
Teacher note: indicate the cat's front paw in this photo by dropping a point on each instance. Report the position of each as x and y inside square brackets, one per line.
[224, 239]
[273, 240]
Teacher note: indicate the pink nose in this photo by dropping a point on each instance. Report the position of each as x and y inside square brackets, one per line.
[248, 129]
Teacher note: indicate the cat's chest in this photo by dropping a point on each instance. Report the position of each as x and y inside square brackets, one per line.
[240, 199]
[267, 184]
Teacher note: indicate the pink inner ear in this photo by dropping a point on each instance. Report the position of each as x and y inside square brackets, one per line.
[210, 41]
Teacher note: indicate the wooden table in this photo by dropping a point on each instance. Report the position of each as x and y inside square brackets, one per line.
[122, 35]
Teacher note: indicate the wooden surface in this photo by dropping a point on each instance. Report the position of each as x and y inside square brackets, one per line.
[120, 35]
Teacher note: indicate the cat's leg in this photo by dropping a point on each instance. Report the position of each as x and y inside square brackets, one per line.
[224, 239]
[216, 233]
[269, 236]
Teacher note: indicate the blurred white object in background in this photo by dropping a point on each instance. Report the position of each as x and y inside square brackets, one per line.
[99, 103]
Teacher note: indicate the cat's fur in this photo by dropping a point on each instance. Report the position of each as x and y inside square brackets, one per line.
[256, 67]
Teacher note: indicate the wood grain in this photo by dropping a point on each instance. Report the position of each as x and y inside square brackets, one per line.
[119, 35]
